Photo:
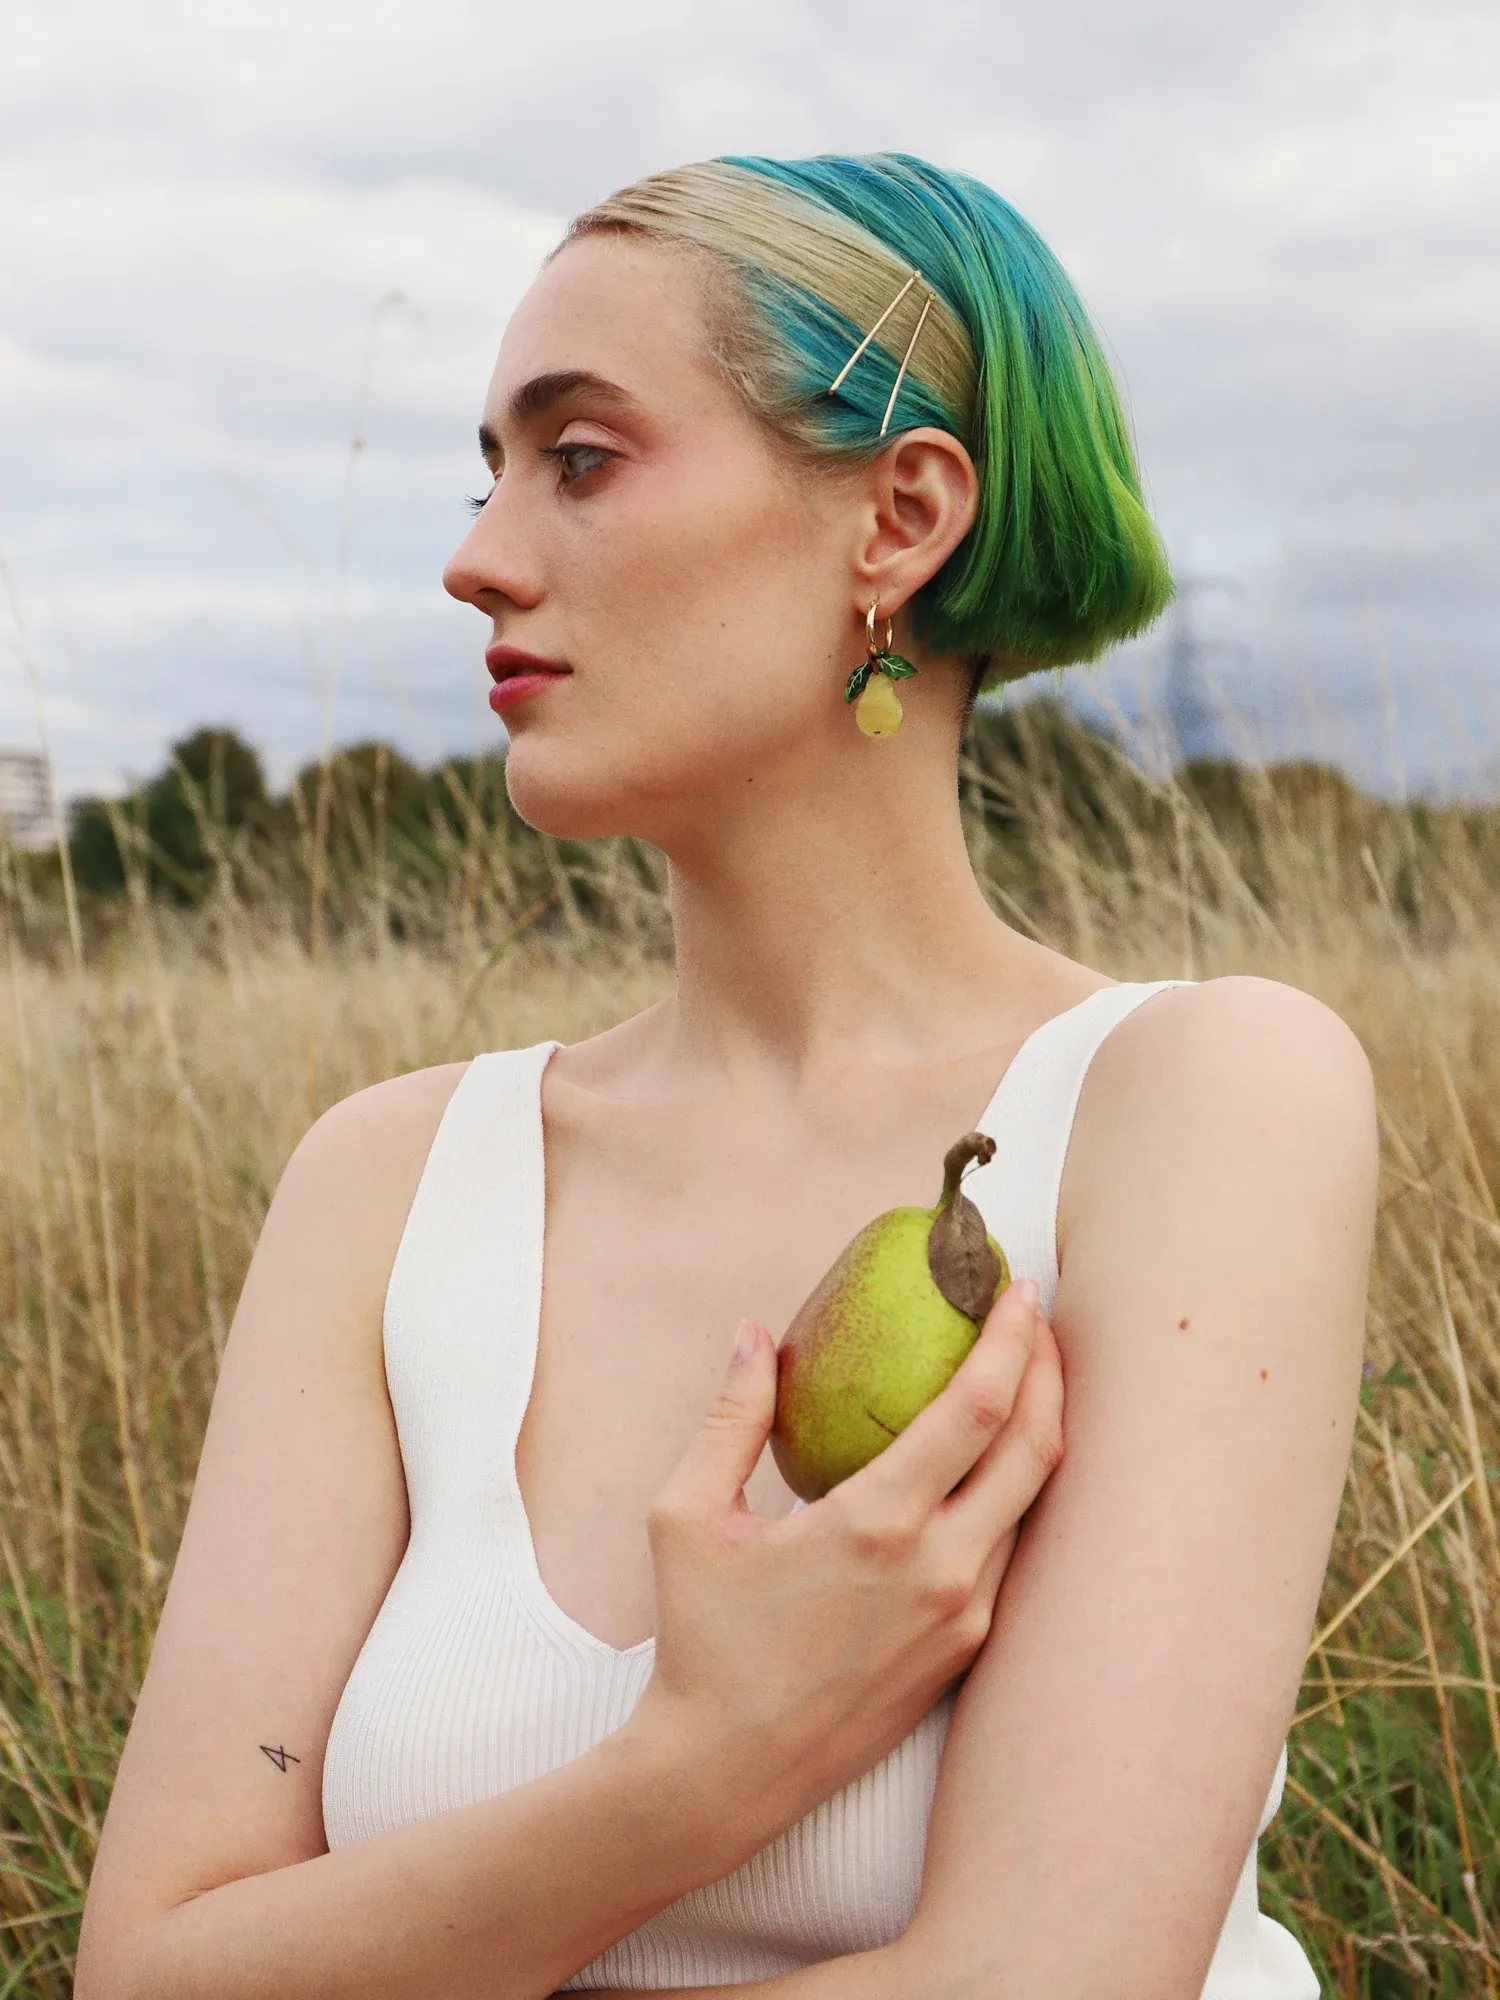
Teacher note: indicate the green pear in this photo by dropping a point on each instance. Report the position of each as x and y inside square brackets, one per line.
[884, 1330]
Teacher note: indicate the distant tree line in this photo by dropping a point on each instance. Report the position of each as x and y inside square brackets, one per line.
[210, 807]
[368, 833]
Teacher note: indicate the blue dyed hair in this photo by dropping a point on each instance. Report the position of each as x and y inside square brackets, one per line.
[1062, 559]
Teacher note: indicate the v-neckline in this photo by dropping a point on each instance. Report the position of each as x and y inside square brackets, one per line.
[541, 1596]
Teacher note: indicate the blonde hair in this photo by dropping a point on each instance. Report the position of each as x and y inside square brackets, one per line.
[1062, 559]
[752, 221]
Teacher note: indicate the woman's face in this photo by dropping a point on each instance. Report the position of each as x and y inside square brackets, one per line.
[644, 534]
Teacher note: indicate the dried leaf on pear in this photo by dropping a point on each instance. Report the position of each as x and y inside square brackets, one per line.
[965, 1267]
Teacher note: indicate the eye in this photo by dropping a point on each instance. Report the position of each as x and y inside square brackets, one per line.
[476, 502]
[576, 461]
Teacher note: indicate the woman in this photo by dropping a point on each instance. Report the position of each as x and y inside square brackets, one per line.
[491, 1666]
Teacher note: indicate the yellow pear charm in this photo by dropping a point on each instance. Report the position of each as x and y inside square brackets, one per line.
[872, 685]
[878, 710]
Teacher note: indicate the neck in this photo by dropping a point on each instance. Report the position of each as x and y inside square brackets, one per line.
[826, 910]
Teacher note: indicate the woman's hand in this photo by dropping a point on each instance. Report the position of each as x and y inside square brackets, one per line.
[800, 1651]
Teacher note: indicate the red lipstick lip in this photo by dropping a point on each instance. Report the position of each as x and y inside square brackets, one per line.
[505, 661]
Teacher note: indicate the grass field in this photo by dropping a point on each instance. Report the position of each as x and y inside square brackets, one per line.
[157, 1068]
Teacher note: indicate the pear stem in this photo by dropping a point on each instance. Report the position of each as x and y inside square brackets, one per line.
[972, 1146]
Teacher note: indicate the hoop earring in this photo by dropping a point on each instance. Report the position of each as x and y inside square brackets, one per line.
[872, 684]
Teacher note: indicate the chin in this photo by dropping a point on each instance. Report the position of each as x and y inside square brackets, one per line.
[654, 782]
[568, 797]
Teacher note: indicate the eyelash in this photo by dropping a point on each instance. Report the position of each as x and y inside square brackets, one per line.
[560, 453]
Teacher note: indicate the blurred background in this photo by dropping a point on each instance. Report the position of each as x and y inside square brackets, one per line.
[239, 237]
[254, 265]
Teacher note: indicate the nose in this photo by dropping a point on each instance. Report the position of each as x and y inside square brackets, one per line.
[491, 563]
[466, 570]
[460, 572]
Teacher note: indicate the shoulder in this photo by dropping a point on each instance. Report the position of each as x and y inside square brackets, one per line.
[1253, 1083]
[345, 1193]
[376, 1137]
[1242, 1025]
[384, 1124]
[1235, 1044]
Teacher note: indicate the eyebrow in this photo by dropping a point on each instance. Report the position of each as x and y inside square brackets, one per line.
[537, 396]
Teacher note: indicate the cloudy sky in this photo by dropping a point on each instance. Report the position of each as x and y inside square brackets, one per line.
[232, 236]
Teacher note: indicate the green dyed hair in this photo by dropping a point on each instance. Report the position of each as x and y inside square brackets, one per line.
[1062, 560]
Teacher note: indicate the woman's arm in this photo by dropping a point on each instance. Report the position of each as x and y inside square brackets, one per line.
[213, 1877]
[1111, 1750]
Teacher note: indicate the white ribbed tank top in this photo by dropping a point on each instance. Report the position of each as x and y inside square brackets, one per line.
[473, 1680]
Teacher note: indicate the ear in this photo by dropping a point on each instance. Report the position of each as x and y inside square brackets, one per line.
[920, 501]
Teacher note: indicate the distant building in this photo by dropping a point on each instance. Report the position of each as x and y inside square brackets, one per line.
[26, 797]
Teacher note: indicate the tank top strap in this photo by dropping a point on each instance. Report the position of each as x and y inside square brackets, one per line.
[465, 1287]
[1030, 1118]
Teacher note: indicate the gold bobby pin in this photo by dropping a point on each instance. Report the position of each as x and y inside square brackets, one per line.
[838, 381]
[911, 347]
[906, 357]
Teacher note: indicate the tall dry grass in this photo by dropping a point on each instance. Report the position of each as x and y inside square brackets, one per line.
[152, 1085]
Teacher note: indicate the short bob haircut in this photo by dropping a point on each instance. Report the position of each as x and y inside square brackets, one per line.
[1062, 560]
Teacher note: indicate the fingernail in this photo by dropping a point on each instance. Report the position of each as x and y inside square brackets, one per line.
[744, 1343]
[1028, 1294]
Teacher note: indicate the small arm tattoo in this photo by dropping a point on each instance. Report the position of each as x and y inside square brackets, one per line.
[280, 1756]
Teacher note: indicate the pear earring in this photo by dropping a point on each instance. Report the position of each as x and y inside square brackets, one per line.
[871, 685]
